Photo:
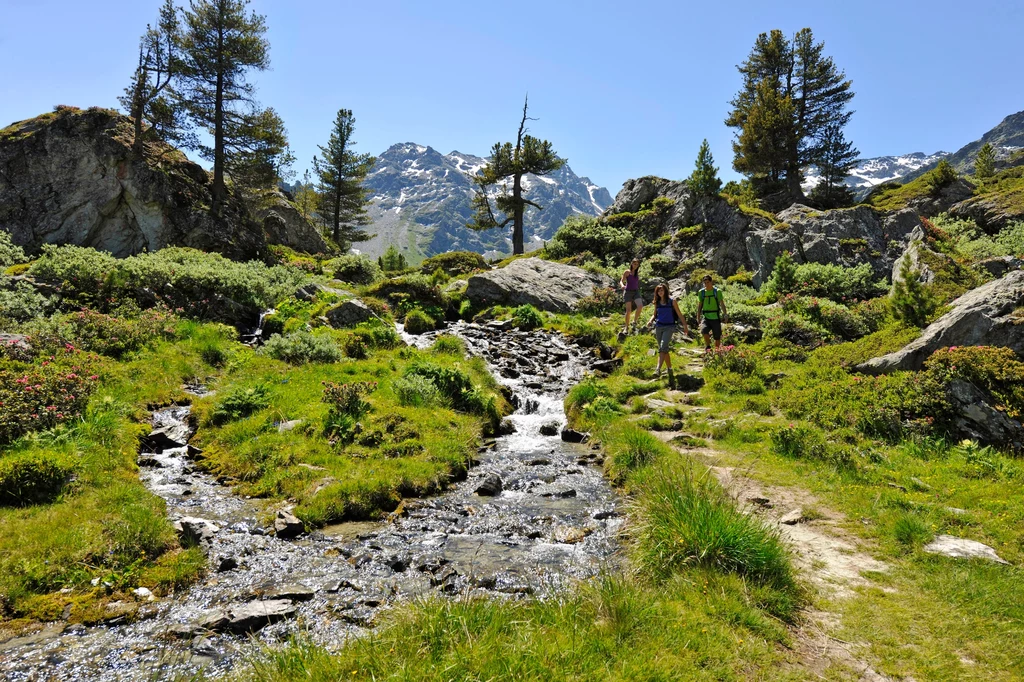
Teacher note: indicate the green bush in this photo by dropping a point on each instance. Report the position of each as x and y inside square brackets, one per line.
[346, 406]
[416, 391]
[836, 318]
[376, 335]
[585, 233]
[527, 317]
[406, 292]
[302, 347]
[603, 301]
[418, 322]
[40, 398]
[446, 344]
[801, 442]
[940, 177]
[9, 253]
[658, 266]
[783, 278]
[455, 263]
[114, 336]
[995, 370]
[796, 329]
[681, 521]
[837, 282]
[240, 403]
[33, 478]
[456, 388]
[356, 269]
[186, 280]
[20, 302]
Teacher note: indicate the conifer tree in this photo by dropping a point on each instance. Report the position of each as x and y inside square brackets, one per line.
[705, 181]
[984, 164]
[791, 93]
[306, 198]
[151, 100]
[910, 301]
[392, 260]
[837, 158]
[340, 174]
[507, 162]
[220, 44]
[258, 155]
[783, 277]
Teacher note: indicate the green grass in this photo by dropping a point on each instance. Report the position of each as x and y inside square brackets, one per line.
[699, 626]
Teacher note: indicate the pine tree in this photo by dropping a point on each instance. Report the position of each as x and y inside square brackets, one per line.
[984, 164]
[705, 181]
[219, 45]
[836, 159]
[910, 301]
[258, 155]
[306, 198]
[791, 93]
[783, 277]
[392, 260]
[151, 100]
[529, 155]
[340, 176]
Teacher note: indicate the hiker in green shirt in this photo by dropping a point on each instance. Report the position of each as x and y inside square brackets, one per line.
[710, 313]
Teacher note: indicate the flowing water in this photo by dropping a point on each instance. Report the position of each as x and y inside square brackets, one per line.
[554, 521]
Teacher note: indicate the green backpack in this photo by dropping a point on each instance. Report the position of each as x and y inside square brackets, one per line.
[710, 314]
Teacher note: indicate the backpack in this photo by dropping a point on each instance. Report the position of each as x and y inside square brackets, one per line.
[715, 294]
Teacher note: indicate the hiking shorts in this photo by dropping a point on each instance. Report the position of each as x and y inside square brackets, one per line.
[713, 327]
[633, 296]
[663, 334]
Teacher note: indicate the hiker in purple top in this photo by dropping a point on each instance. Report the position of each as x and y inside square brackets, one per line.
[630, 282]
[664, 320]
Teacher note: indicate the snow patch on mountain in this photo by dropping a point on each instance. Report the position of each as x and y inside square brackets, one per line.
[877, 170]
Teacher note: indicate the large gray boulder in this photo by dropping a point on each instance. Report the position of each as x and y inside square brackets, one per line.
[243, 618]
[976, 419]
[349, 314]
[842, 236]
[931, 205]
[70, 177]
[284, 225]
[548, 286]
[982, 316]
[993, 210]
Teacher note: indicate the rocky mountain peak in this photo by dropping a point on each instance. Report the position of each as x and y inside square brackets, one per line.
[422, 200]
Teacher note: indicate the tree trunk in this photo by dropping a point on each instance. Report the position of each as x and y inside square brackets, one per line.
[517, 218]
[336, 233]
[220, 190]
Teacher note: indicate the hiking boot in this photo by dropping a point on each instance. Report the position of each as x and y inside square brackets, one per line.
[671, 380]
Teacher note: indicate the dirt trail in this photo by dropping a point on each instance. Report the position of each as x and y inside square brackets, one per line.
[831, 559]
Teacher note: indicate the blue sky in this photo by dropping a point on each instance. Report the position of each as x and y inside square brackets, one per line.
[622, 89]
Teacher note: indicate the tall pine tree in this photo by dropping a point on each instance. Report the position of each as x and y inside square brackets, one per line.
[220, 44]
[258, 155]
[984, 164]
[507, 162]
[704, 180]
[791, 93]
[151, 100]
[836, 158]
[340, 174]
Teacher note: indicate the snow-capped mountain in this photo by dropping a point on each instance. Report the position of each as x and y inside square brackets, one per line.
[422, 200]
[870, 172]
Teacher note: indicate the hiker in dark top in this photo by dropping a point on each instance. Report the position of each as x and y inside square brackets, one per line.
[630, 282]
[710, 313]
[665, 318]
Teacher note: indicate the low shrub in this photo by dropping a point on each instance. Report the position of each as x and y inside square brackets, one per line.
[40, 398]
[20, 302]
[356, 269]
[837, 282]
[997, 371]
[9, 253]
[454, 263]
[658, 266]
[114, 336]
[585, 233]
[446, 344]
[406, 292]
[345, 407]
[303, 347]
[796, 329]
[416, 391]
[836, 318]
[418, 322]
[33, 478]
[527, 317]
[801, 442]
[683, 521]
[378, 335]
[603, 301]
[240, 403]
[732, 359]
[585, 330]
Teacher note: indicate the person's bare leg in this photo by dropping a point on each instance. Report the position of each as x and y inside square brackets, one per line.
[636, 317]
[707, 340]
[629, 309]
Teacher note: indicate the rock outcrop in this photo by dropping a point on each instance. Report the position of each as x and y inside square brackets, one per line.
[993, 210]
[548, 286]
[284, 225]
[70, 177]
[842, 236]
[984, 316]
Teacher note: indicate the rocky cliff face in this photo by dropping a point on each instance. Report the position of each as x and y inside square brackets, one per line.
[729, 238]
[70, 178]
[422, 202]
